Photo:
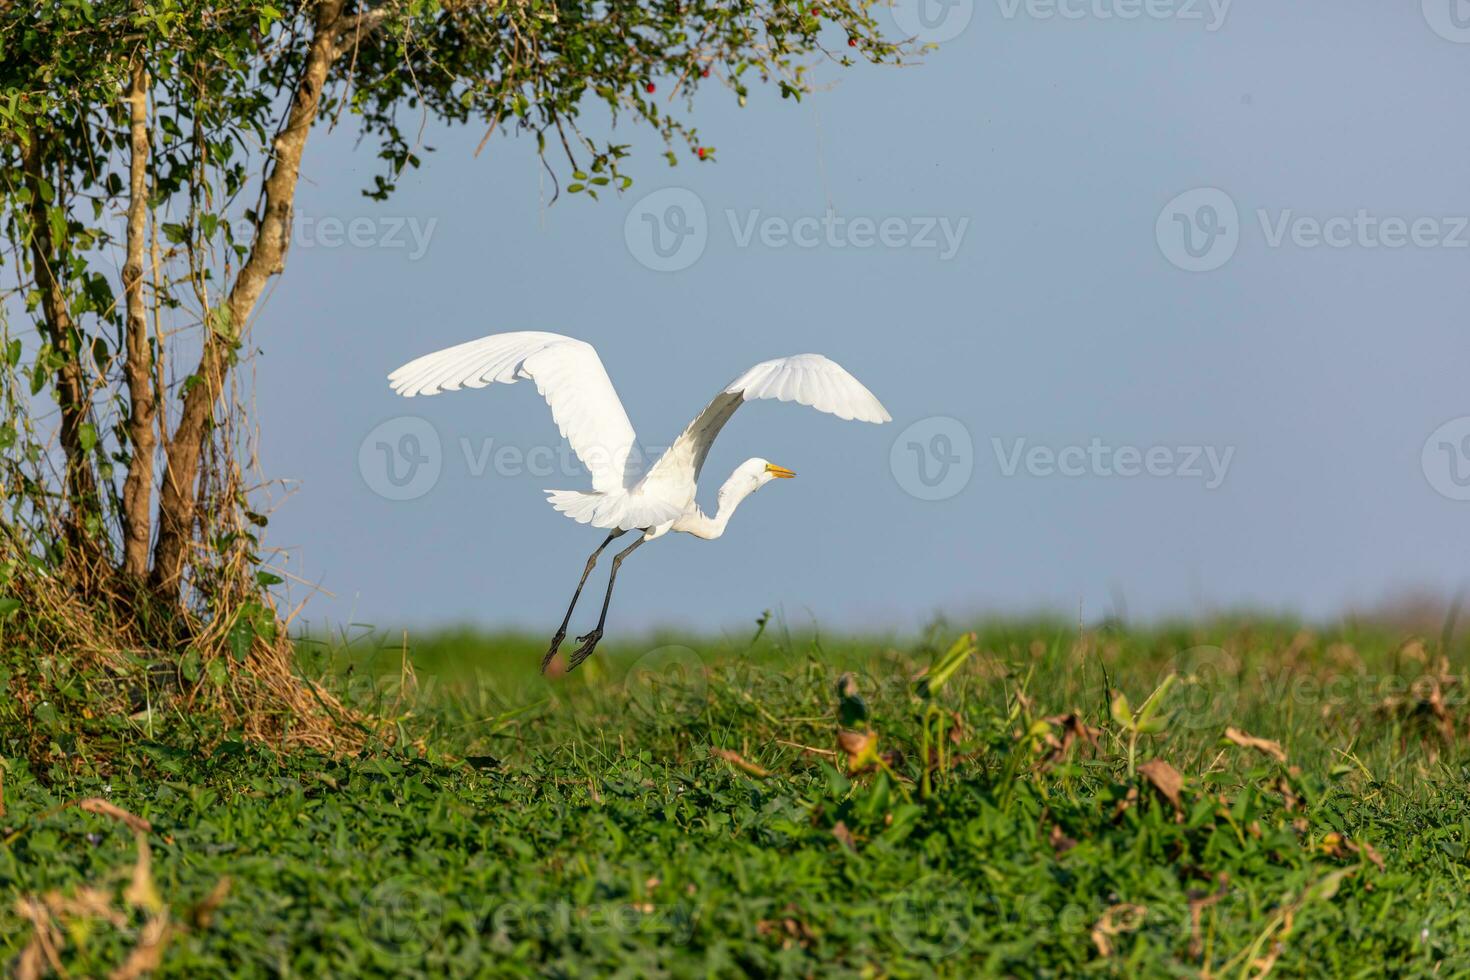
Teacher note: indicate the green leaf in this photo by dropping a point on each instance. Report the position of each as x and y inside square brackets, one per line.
[875, 803]
[46, 714]
[944, 667]
[87, 436]
[220, 321]
[1146, 714]
[191, 666]
[241, 636]
[1121, 712]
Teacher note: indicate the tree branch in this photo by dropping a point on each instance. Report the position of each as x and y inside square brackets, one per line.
[138, 370]
[267, 258]
[71, 385]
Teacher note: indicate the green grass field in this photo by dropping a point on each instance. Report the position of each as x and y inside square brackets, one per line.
[684, 807]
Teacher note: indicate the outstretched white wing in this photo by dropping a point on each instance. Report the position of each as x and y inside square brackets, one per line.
[568, 374]
[807, 379]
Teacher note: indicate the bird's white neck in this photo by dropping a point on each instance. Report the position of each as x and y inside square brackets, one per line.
[731, 494]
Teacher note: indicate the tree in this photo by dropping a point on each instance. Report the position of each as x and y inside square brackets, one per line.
[150, 152]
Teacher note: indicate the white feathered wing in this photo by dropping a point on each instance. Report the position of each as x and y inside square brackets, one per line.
[585, 405]
[807, 379]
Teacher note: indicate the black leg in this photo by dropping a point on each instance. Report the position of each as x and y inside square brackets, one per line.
[561, 631]
[589, 642]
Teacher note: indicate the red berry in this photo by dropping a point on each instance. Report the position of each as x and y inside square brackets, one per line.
[651, 88]
[705, 73]
[852, 42]
[700, 151]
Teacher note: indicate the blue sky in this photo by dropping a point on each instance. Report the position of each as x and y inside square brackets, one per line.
[1191, 332]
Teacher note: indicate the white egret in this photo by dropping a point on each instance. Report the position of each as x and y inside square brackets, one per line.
[626, 494]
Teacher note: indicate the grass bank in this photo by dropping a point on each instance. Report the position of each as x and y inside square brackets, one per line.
[1293, 801]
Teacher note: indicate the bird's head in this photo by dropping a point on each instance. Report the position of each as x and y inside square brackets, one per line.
[750, 476]
[763, 471]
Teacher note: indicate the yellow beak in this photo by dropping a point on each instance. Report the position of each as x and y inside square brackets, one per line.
[779, 472]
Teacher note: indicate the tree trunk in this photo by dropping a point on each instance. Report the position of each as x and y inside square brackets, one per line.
[267, 258]
[71, 383]
[138, 487]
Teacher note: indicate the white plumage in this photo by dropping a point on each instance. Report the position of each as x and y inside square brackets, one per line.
[626, 493]
[569, 375]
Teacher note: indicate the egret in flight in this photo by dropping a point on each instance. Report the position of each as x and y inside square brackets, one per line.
[626, 494]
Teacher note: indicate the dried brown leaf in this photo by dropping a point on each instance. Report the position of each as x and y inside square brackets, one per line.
[1165, 778]
[203, 913]
[1265, 746]
[792, 930]
[1060, 842]
[861, 748]
[141, 892]
[740, 762]
[106, 809]
[147, 956]
[1368, 851]
[1074, 730]
[1118, 919]
[1198, 902]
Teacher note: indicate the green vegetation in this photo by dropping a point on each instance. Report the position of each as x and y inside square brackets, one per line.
[689, 808]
